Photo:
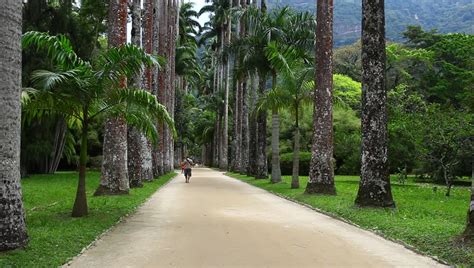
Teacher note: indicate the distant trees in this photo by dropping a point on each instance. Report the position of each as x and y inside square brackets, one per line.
[12, 215]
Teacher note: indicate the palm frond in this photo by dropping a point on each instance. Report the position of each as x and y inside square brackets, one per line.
[58, 48]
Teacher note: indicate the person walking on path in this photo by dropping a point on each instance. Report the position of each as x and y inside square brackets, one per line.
[187, 164]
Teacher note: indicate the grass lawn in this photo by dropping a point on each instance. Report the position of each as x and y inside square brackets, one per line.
[424, 219]
[56, 237]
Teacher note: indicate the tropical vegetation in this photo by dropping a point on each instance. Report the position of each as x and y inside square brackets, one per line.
[260, 90]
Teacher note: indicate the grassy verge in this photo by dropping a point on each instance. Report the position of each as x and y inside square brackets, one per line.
[425, 219]
[55, 237]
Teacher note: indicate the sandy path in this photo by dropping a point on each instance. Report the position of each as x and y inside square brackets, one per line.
[217, 221]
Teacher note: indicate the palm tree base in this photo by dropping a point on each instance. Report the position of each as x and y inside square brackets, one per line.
[374, 197]
[320, 188]
[136, 184]
[102, 190]
[16, 239]
[468, 235]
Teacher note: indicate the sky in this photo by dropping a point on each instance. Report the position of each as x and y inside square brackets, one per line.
[198, 4]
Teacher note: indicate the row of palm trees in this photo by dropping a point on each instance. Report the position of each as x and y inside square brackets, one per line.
[246, 45]
[125, 85]
[281, 42]
[264, 45]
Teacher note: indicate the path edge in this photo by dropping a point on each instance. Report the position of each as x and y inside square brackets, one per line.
[339, 218]
[120, 220]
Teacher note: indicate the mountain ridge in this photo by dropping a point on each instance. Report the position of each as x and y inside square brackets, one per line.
[447, 16]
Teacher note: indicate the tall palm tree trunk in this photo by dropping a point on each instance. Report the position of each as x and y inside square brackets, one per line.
[321, 175]
[223, 163]
[217, 142]
[12, 216]
[156, 80]
[295, 179]
[114, 178]
[253, 126]
[147, 43]
[244, 105]
[172, 90]
[262, 168]
[276, 170]
[244, 149]
[167, 88]
[161, 25]
[136, 141]
[374, 186]
[235, 150]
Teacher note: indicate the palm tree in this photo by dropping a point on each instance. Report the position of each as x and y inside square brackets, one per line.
[138, 151]
[12, 216]
[114, 177]
[186, 66]
[221, 23]
[374, 186]
[147, 83]
[84, 91]
[275, 40]
[321, 175]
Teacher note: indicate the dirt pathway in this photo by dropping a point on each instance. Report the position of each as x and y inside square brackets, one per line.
[217, 221]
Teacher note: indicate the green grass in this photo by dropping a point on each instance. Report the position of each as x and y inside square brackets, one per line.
[424, 219]
[56, 237]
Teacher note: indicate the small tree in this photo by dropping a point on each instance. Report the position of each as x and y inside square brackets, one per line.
[445, 137]
[84, 91]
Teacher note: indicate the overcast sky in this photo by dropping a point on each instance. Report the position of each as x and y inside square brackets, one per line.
[198, 4]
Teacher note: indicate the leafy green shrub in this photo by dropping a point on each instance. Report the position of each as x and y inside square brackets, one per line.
[286, 163]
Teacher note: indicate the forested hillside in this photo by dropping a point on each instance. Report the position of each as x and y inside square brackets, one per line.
[445, 15]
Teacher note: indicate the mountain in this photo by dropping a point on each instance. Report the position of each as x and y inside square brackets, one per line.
[446, 16]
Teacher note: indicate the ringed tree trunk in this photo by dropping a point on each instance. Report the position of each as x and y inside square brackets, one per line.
[217, 142]
[172, 85]
[167, 86]
[262, 168]
[295, 179]
[374, 186]
[276, 170]
[252, 121]
[321, 174]
[244, 150]
[135, 138]
[114, 178]
[223, 163]
[155, 76]
[235, 144]
[160, 25]
[244, 110]
[147, 79]
[80, 208]
[469, 231]
[12, 215]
